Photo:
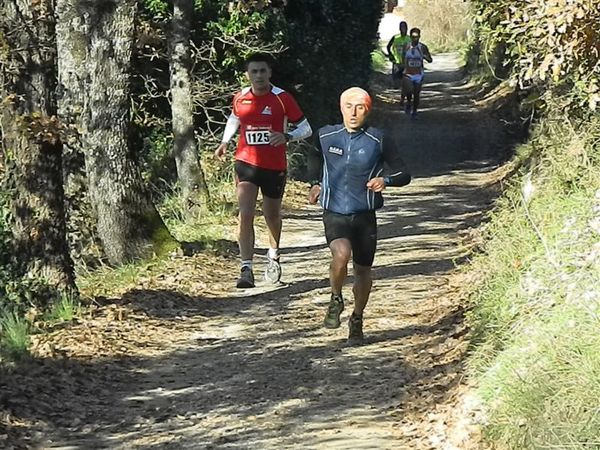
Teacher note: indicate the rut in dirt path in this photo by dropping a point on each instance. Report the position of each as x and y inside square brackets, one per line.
[256, 369]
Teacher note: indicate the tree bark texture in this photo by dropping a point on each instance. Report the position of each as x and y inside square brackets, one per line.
[71, 43]
[185, 151]
[31, 139]
[128, 223]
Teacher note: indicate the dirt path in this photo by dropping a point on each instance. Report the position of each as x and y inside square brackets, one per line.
[256, 370]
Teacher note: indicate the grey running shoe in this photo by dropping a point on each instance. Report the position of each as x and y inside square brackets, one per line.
[273, 271]
[246, 279]
[355, 335]
[336, 306]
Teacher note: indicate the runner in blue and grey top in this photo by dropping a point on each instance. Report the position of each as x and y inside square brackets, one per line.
[352, 158]
[349, 161]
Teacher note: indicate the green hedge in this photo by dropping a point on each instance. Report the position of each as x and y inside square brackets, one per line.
[329, 49]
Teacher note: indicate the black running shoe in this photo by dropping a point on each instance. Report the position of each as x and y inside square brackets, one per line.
[273, 271]
[355, 325]
[246, 279]
[336, 306]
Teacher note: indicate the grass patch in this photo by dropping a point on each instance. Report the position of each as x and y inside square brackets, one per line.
[206, 223]
[14, 336]
[65, 309]
[208, 227]
[536, 308]
[205, 226]
[545, 386]
[108, 281]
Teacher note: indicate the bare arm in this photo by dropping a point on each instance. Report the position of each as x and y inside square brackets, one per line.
[427, 54]
[389, 46]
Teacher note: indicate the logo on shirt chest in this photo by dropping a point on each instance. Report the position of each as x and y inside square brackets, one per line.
[267, 111]
[335, 150]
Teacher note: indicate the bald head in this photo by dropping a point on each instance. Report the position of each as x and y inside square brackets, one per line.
[355, 104]
[356, 95]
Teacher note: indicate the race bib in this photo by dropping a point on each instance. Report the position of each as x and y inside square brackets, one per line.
[257, 137]
[415, 63]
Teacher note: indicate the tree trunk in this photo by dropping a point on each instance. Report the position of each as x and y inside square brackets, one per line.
[71, 42]
[185, 151]
[128, 223]
[31, 139]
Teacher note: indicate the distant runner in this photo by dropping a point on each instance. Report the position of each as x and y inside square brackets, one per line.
[395, 49]
[414, 54]
[351, 157]
[262, 112]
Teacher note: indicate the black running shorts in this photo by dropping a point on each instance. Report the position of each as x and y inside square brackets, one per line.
[270, 182]
[360, 229]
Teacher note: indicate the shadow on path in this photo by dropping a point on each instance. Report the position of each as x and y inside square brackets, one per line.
[256, 369]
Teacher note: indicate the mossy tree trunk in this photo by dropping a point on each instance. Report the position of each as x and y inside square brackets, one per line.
[31, 140]
[128, 224]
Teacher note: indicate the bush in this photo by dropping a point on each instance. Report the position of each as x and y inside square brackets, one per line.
[551, 46]
[379, 61]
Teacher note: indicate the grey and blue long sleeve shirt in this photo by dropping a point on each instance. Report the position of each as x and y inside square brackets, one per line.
[348, 160]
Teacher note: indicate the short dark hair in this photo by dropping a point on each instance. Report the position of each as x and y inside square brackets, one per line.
[259, 57]
[403, 23]
[415, 30]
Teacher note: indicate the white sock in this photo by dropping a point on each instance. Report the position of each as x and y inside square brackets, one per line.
[247, 263]
[273, 253]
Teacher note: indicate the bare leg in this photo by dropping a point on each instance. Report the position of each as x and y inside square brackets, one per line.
[417, 96]
[246, 195]
[341, 250]
[272, 213]
[402, 94]
[363, 281]
[407, 91]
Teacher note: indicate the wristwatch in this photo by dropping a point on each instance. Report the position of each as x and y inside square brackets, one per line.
[315, 183]
[387, 181]
[288, 137]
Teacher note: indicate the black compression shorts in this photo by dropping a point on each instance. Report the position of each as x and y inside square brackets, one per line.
[360, 229]
[270, 182]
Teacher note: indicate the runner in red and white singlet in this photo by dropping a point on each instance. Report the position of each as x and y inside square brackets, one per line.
[259, 116]
[261, 112]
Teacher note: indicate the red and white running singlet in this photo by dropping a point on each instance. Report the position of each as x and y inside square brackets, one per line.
[259, 115]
